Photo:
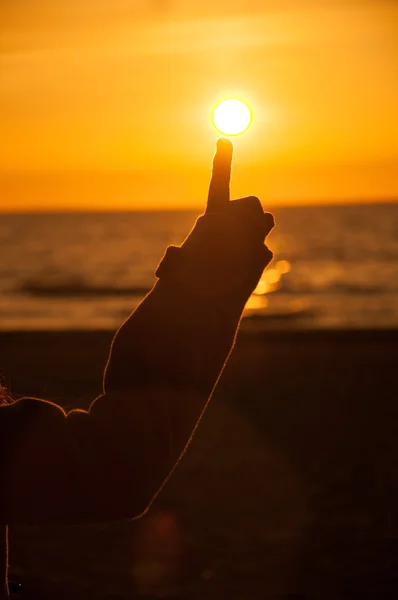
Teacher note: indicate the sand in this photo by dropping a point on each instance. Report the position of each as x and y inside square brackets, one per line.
[289, 488]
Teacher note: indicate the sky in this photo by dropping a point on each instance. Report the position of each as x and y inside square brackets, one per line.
[106, 104]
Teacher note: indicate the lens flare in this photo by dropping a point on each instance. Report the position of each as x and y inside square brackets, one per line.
[232, 116]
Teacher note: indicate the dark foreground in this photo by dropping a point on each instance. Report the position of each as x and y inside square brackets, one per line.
[289, 489]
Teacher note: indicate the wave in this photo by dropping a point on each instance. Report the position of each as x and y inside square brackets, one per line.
[288, 315]
[83, 290]
[337, 288]
[79, 290]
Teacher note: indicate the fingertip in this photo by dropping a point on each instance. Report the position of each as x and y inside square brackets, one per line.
[224, 142]
[225, 146]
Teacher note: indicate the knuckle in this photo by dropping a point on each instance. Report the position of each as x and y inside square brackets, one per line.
[254, 202]
[269, 219]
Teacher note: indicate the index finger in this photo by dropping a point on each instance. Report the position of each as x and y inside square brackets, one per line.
[218, 197]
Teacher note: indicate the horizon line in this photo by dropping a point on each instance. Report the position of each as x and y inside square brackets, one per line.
[360, 201]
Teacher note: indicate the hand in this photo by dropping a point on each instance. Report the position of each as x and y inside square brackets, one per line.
[247, 210]
[225, 251]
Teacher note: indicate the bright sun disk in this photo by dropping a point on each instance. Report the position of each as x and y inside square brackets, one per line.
[232, 116]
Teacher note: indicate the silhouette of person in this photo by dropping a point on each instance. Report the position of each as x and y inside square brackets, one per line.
[108, 463]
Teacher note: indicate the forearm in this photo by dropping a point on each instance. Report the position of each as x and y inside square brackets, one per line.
[177, 341]
[172, 340]
[175, 344]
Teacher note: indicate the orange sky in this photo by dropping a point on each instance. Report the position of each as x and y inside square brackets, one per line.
[107, 103]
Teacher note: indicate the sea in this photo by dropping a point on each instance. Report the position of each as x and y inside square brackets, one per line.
[334, 266]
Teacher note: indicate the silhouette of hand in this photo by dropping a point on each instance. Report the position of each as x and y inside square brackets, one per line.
[248, 210]
[225, 252]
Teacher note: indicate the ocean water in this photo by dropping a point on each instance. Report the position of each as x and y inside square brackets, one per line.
[333, 267]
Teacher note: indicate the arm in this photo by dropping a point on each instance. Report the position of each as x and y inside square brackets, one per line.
[110, 462]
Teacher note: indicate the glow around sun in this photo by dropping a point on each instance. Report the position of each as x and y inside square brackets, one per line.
[232, 116]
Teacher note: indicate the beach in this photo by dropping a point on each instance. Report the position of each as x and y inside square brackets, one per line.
[288, 488]
[159, 145]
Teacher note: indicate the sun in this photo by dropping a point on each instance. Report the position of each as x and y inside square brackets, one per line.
[232, 116]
